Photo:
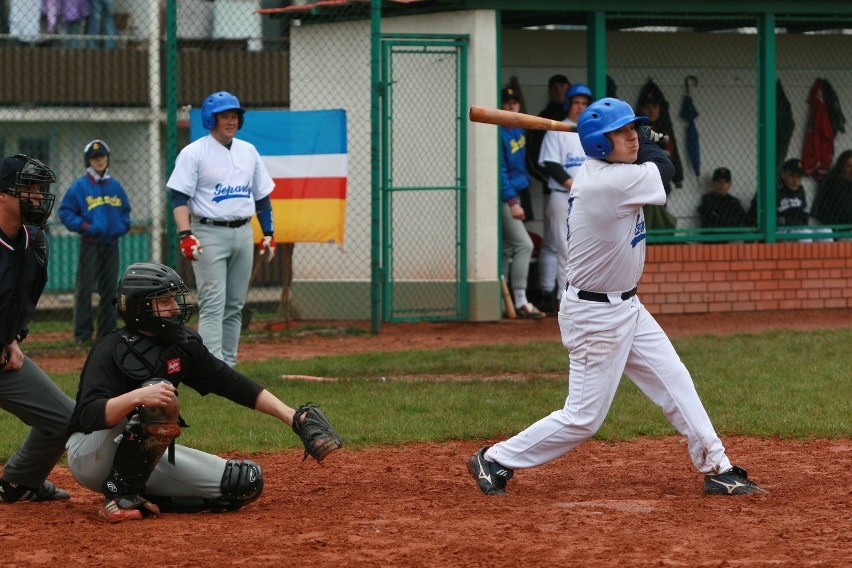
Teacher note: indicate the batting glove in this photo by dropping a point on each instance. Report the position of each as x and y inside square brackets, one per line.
[661, 140]
[267, 244]
[190, 246]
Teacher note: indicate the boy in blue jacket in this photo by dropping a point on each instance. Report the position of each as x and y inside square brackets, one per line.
[97, 207]
[514, 179]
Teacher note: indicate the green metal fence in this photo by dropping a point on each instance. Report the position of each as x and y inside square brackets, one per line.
[750, 77]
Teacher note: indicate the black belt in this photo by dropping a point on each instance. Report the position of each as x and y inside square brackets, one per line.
[231, 224]
[600, 297]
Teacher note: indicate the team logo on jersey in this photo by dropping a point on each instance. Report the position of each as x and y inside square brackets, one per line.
[173, 366]
[574, 160]
[223, 192]
[638, 231]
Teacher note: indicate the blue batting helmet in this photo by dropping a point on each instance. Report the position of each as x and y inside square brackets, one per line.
[216, 103]
[576, 90]
[601, 117]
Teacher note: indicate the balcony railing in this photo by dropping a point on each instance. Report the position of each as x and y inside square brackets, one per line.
[59, 76]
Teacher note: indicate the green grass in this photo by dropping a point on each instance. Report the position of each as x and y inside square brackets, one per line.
[787, 384]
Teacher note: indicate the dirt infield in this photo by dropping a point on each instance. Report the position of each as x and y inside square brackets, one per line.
[604, 504]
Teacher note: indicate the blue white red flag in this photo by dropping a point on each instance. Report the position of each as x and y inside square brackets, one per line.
[306, 154]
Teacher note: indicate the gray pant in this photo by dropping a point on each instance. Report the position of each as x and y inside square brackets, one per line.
[517, 249]
[32, 396]
[222, 276]
[194, 473]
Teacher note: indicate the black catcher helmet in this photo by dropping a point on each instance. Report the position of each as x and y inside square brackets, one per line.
[18, 175]
[139, 285]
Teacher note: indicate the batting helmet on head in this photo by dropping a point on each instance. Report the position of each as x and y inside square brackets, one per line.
[576, 90]
[140, 284]
[216, 103]
[600, 118]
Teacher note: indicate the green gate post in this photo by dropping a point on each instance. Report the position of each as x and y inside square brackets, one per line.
[171, 122]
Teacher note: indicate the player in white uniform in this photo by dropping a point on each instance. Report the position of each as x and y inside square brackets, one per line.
[604, 326]
[218, 183]
[561, 156]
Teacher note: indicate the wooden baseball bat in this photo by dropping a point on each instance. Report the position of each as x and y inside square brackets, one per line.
[507, 299]
[513, 119]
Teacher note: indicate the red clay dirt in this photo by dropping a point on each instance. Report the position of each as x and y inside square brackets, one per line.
[604, 504]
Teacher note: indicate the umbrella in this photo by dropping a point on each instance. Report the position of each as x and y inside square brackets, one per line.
[689, 114]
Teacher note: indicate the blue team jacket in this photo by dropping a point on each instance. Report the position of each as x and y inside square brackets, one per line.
[513, 169]
[97, 209]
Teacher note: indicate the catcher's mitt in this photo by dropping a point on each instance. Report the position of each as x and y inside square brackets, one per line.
[316, 432]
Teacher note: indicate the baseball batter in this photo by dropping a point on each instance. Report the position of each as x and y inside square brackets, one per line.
[128, 413]
[604, 326]
[561, 157]
[218, 183]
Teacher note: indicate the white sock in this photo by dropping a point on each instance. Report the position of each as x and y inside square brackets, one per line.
[520, 298]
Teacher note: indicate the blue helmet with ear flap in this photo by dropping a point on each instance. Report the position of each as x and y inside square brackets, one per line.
[216, 103]
[600, 118]
[576, 90]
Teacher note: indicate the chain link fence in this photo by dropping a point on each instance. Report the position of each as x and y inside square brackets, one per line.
[130, 73]
[132, 76]
[700, 83]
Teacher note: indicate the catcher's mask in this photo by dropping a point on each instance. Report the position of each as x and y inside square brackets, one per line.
[29, 180]
[153, 299]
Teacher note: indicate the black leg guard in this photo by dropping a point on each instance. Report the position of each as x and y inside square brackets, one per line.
[146, 437]
[242, 483]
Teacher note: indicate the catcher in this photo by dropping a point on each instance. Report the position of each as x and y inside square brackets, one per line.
[127, 414]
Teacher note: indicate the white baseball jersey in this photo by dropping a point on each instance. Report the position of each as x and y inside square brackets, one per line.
[562, 148]
[222, 184]
[606, 226]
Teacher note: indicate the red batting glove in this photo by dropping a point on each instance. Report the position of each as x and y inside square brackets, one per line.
[267, 244]
[190, 246]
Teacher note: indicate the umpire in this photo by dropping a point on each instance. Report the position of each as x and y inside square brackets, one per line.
[25, 390]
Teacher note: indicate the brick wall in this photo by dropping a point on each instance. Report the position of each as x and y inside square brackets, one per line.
[684, 278]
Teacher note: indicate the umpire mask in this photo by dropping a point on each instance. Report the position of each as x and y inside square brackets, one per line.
[29, 180]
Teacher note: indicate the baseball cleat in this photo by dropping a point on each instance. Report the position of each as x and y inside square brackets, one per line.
[733, 481]
[47, 491]
[491, 477]
[129, 508]
[528, 311]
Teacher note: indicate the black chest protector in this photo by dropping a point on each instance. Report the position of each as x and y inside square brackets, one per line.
[143, 359]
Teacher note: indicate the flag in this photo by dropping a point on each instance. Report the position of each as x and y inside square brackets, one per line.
[306, 155]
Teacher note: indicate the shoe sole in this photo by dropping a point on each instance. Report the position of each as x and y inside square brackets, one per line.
[735, 488]
[121, 516]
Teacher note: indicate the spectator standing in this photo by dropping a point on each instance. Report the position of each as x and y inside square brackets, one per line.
[25, 390]
[218, 183]
[653, 104]
[101, 23]
[67, 17]
[833, 199]
[561, 156]
[514, 182]
[719, 208]
[557, 85]
[96, 206]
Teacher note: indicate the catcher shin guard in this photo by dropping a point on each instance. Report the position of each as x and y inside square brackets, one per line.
[146, 437]
[242, 483]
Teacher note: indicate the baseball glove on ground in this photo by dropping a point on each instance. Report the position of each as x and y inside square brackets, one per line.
[317, 434]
